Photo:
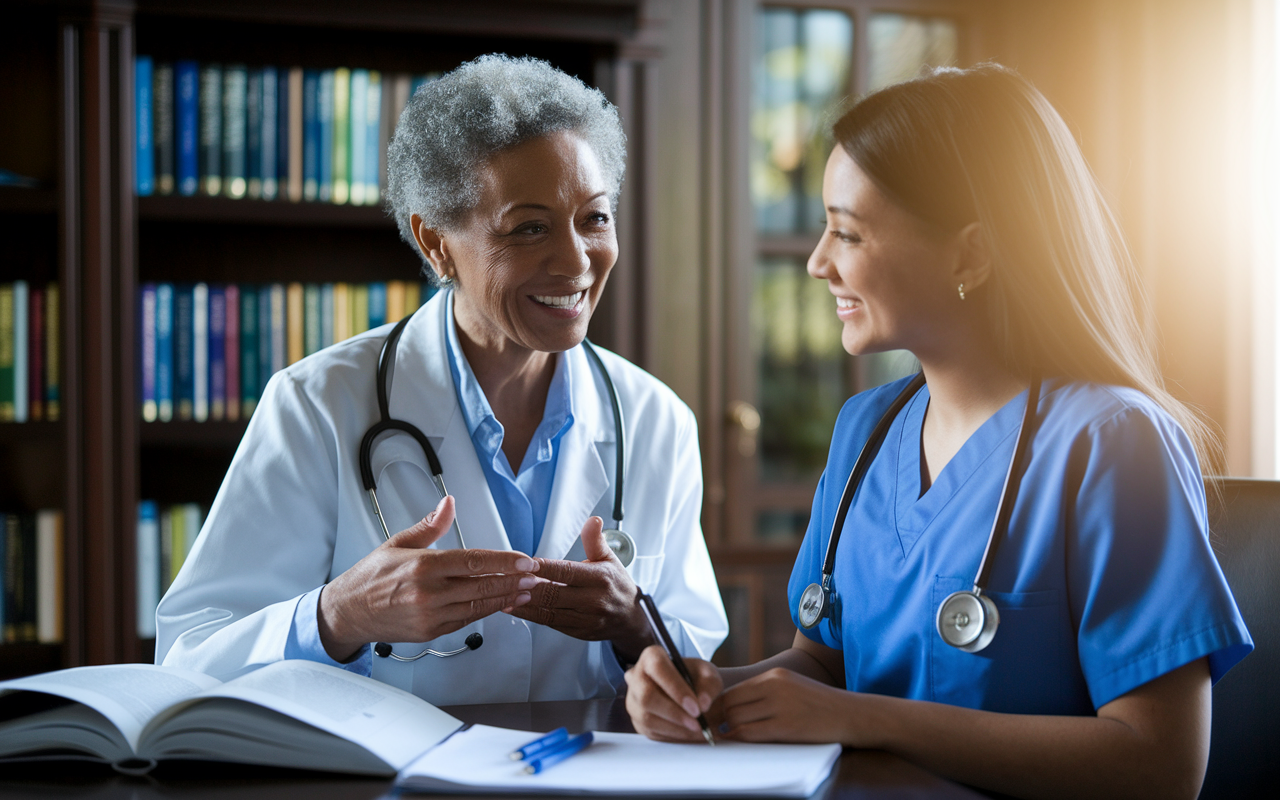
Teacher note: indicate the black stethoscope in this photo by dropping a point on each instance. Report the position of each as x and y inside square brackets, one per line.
[966, 619]
[620, 542]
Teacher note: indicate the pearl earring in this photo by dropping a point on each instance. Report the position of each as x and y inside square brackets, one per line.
[962, 291]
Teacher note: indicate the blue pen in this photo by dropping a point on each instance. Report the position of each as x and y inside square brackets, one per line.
[541, 744]
[575, 745]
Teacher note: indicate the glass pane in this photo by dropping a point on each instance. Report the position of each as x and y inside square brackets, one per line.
[901, 44]
[804, 372]
[802, 65]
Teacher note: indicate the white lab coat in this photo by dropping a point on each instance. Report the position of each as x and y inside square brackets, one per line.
[292, 514]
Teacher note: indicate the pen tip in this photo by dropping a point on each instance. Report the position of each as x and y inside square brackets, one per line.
[706, 734]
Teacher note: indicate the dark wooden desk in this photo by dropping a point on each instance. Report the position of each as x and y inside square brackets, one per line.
[862, 775]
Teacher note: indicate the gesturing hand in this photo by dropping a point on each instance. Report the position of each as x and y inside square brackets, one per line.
[592, 600]
[403, 592]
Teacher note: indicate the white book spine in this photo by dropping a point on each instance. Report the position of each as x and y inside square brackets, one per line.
[373, 137]
[200, 362]
[49, 585]
[192, 520]
[21, 305]
[356, 143]
[148, 576]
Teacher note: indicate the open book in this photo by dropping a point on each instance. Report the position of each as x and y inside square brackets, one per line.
[289, 714]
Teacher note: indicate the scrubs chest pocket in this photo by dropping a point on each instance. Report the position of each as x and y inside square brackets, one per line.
[1027, 668]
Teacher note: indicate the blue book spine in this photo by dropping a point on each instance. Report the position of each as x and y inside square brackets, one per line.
[164, 352]
[217, 353]
[324, 113]
[270, 133]
[210, 147]
[184, 350]
[249, 389]
[186, 79]
[147, 328]
[311, 135]
[377, 305]
[148, 572]
[265, 345]
[283, 132]
[144, 154]
[253, 112]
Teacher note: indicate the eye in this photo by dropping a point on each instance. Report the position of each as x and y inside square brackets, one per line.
[533, 228]
[847, 237]
[598, 217]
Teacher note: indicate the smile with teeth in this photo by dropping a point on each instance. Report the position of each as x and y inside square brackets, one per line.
[844, 302]
[560, 301]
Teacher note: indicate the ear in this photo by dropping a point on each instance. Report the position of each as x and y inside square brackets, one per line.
[973, 261]
[431, 245]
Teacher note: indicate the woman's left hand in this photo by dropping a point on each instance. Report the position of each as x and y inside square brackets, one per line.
[592, 600]
[784, 706]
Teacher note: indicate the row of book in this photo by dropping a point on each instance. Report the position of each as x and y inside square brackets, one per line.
[29, 387]
[266, 132]
[207, 350]
[165, 536]
[31, 580]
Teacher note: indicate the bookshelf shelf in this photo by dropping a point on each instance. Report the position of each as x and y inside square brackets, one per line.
[26, 658]
[17, 200]
[211, 435]
[11, 432]
[221, 210]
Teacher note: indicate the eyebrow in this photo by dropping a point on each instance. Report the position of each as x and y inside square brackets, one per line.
[542, 207]
[842, 210]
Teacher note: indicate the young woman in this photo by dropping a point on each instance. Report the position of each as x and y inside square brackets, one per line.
[963, 225]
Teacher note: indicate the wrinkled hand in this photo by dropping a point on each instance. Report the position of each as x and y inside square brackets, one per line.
[592, 600]
[661, 704]
[784, 706]
[403, 592]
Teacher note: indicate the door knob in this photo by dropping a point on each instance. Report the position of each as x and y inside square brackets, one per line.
[746, 419]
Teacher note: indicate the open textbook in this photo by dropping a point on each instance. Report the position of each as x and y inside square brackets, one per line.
[289, 714]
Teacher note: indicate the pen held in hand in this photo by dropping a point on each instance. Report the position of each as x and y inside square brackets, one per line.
[668, 644]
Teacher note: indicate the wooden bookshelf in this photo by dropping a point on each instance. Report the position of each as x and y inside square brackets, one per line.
[279, 213]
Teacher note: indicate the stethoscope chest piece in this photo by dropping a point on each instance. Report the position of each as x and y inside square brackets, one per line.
[968, 621]
[813, 606]
[622, 545]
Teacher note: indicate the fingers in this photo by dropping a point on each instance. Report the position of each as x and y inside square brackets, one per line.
[428, 529]
[463, 563]
[662, 696]
[593, 541]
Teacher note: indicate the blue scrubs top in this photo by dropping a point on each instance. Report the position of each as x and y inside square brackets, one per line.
[1105, 581]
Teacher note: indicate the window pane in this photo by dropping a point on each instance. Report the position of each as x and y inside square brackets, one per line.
[804, 372]
[802, 68]
[901, 44]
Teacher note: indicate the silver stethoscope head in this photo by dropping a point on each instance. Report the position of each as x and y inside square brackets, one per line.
[621, 543]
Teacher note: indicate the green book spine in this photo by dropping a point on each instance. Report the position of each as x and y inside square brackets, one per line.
[341, 135]
[248, 350]
[312, 319]
[211, 129]
[6, 353]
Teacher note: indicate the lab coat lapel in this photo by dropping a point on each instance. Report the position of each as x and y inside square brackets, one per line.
[423, 393]
[580, 479]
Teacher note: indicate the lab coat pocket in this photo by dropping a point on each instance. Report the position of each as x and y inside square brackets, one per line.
[645, 571]
[1027, 668]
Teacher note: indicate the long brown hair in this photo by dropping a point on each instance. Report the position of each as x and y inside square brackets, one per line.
[982, 144]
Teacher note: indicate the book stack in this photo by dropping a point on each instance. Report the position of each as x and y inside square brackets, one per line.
[266, 132]
[165, 537]
[207, 350]
[31, 576]
[29, 328]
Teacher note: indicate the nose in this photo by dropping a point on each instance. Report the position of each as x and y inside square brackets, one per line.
[819, 265]
[572, 255]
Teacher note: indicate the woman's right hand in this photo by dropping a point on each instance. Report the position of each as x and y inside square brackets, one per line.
[661, 704]
[405, 592]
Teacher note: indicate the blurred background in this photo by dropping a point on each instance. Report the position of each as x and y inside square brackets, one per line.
[1173, 102]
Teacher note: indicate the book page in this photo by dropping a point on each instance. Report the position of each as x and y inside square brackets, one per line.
[477, 759]
[128, 695]
[392, 724]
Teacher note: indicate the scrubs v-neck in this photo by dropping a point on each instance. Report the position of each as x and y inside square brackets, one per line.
[1105, 581]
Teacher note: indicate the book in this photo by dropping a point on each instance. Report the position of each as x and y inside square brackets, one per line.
[377, 304]
[231, 350]
[269, 134]
[326, 315]
[187, 131]
[217, 353]
[278, 341]
[6, 352]
[30, 589]
[144, 148]
[294, 320]
[52, 353]
[289, 713]
[249, 388]
[200, 352]
[192, 522]
[324, 118]
[184, 387]
[211, 129]
[253, 113]
[35, 355]
[477, 761]
[266, 347]
[341, 312]
[312, 324]
[359, 129]
[164, 352]
[412, 297]
[372, 134]
[162, 126]
[21, 332]
[311, 135]
[14, 596]
[359, 308]
[49, 572]
[341, 147]
[148, 568]
[291, 162]
[147, 366]
[395, 93]
[235, 81]
[174, 550]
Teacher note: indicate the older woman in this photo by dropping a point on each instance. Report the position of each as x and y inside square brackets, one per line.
[504, 175]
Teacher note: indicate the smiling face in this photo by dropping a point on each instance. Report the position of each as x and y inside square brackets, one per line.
[531, 260]
[893, 276]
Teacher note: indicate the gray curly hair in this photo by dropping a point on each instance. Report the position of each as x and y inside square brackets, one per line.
[453, 125]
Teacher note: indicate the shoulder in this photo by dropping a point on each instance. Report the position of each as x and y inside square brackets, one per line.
[339, 374]
[1107, 416]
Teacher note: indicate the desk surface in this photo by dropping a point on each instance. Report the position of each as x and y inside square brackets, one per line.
[866, 775]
